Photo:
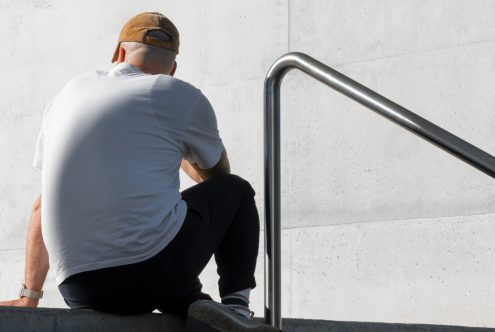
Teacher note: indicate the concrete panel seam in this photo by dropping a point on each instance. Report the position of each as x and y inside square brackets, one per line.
[12, 249]
[20, 189]
[389, 220]
[22, 116]
[433, 50]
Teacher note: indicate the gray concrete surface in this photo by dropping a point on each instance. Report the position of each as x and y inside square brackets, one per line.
[378, 225]
[308, 325]
[59, 320]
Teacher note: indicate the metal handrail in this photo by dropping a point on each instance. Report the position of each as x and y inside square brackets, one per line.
[352, 89]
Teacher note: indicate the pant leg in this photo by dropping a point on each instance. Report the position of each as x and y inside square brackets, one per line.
[180, 305]
[222, 219]
[237, 254]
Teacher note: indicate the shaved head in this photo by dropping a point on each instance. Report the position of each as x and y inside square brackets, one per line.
[150, 59]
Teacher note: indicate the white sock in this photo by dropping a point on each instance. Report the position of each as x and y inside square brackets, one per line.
[239, 301]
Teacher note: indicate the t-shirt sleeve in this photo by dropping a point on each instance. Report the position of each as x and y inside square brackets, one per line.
[40, 142]
[203, 145]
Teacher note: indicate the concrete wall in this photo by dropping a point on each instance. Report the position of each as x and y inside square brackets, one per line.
[378, 225]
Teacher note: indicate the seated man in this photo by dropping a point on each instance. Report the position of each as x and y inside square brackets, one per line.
[120, 235]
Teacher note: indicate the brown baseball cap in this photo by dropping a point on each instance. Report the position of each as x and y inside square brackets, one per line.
[137, 28]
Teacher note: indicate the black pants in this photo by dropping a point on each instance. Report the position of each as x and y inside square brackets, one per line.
[222, 219]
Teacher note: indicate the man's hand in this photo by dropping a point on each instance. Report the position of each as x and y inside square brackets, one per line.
[21, 302]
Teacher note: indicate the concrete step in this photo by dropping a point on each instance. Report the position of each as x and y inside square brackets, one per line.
[57, 320]
[303, 325]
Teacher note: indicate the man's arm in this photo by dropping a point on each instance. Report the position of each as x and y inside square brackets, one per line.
[36, 259]
[200, 175]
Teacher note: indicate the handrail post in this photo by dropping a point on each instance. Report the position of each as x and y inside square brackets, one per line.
[273, 280]
[361, 94]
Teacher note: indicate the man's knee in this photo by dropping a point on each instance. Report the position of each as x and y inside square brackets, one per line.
[241, 183]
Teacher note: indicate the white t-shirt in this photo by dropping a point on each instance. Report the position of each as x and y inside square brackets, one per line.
[110, 149]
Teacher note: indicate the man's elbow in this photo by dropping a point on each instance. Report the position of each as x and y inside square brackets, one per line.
[222, 167]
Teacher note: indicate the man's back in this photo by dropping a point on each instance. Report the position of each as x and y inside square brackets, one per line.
[112, 145]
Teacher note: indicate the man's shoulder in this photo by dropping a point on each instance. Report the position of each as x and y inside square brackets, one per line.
[167, 83]
[84, 77]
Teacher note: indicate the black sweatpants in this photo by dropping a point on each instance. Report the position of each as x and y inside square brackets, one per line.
[222, 219]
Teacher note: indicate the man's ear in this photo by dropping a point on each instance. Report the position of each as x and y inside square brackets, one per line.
[121, 57]
[172, 73]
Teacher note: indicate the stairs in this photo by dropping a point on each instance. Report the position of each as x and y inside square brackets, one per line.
[57, 320]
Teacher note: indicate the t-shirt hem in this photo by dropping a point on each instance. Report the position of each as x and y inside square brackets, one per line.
[61, 276]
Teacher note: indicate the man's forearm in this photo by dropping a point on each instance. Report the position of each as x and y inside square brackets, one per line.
[200, 175]
[36, 260]
[190, 171]
[36, 254]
